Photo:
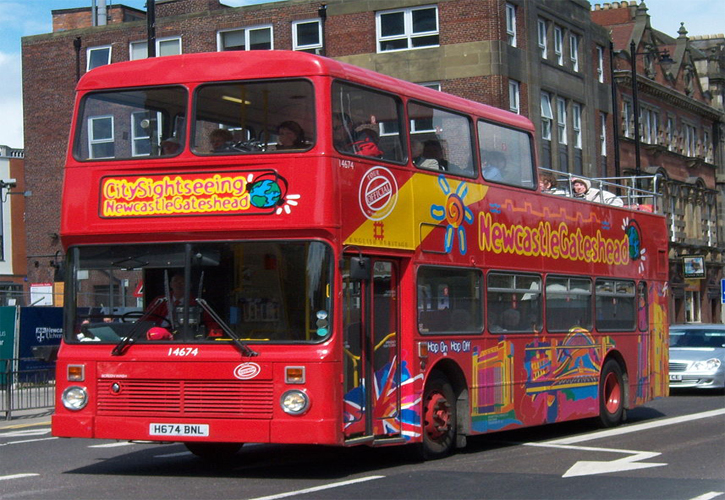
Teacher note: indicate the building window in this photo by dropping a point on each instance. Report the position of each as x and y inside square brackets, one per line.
[706, 146]
[100, 138]
[627, 119]
[546, 116]
[690, 133]
[170, 46]
[406, 29]
[603, 134]
[514, 96]
[140, 134]
[671, 134]
[543, 42]
[511, 24]
[574, 51]
[307, 36]
[600, 64]
[561, 120]
[98, 56]
[558, 45]
[651, 121]
[576, 124]
[256, 38]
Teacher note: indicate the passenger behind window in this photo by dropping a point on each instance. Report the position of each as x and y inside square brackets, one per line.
[367, 136]
[170, 146]
[433, 157]
[220, 140]
[290, 135]
[493, 164]
[417, 152]
[509, 321]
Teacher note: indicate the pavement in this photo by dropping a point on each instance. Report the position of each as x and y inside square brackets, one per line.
[26, 418]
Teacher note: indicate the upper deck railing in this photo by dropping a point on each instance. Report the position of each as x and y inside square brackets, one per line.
[641, 192]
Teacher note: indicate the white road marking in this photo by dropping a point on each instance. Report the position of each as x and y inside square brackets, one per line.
[318, 488]
[708, 496]
[638, 427]
[170, 455]
[26, 432]
[28, 441]
[18, 476]
[112, 445]
[632, 462]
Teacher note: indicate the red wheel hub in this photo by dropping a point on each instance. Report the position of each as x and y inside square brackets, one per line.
[437, 416]
[612, 393]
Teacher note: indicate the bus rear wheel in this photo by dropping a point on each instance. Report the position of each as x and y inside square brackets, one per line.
[439, 418]
[611, 395]
[213, 451]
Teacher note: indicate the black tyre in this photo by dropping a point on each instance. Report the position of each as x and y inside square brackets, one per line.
[213, 451]
[611, 395]
[439, 418]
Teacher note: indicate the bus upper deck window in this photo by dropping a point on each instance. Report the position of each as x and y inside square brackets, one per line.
[131, 123]
[254, 117]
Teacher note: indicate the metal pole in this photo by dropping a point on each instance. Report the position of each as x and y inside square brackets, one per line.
[322, 12]
[151, 27]
[635, 104]
[615, 114]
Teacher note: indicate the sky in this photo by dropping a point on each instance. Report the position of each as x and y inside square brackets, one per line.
[19, 18]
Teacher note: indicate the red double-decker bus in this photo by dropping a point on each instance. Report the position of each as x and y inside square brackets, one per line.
[275, 247]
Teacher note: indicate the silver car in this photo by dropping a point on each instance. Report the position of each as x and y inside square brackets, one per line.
[697, 356]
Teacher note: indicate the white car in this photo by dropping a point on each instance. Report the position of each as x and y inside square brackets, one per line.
[697, 356]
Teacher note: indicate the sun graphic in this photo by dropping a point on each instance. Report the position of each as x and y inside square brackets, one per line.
[455, 212]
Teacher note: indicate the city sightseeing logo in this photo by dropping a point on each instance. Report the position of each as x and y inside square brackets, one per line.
[200, 194]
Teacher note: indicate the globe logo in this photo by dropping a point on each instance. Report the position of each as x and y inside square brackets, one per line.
[265, 193]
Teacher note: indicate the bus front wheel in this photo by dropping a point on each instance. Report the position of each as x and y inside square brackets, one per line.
[611, 395]
[439, 418]
[213, 451]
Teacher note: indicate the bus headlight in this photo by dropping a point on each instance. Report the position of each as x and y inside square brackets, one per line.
[295, 402]
[75, 398]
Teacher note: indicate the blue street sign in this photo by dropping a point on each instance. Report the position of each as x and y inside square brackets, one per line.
[722, 291]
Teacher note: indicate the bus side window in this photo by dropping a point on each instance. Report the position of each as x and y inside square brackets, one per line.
[506, 155]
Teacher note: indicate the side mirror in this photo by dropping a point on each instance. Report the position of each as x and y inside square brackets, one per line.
[360, 268]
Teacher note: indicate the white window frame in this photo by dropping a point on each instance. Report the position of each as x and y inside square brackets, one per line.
[603, 134]
[600, 64]
[671, 134]
[93, 141]
[574, 51]
[706, 146]
[511, 24]
[561, 125]
[247, 31]
[408, 33]
[559, 45]
[312, 47]
[143, 44]
[576, 124]
[543, 40]
[627, 119]
[547, 117]
[515, 97]
[91, 50]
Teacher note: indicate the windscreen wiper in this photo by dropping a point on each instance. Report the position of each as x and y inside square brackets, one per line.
[219, 321]
[133, 334]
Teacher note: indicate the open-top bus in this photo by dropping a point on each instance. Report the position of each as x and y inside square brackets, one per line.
[371, 284]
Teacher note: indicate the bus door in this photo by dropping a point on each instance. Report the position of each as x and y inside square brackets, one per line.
[371, 353]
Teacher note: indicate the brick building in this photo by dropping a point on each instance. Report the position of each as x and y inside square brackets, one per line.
[545, 59]
[680, 138]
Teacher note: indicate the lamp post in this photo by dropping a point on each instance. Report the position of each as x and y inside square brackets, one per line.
[666, 62]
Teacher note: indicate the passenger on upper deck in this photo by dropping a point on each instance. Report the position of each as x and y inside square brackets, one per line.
[290, 136]
[494, 165]
[220, 140]
[170, 146]
[433, 157]
[582, 189]
[548, 184]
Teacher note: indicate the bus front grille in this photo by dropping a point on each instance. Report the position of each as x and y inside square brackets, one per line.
[184, 398]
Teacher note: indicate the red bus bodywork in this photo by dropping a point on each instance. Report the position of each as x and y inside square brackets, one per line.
[400, 216]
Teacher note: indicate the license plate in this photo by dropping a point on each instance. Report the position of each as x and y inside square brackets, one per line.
[200, 430]
[675, 378]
